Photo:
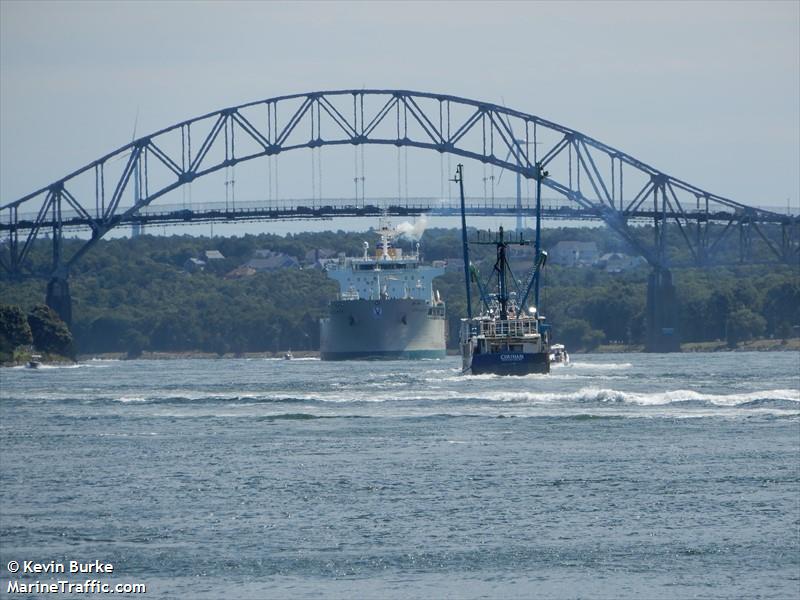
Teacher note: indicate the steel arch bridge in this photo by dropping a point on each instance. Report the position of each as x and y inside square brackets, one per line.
[597, 178]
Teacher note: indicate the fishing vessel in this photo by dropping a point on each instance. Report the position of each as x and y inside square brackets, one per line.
[508, 336]
[386, 308]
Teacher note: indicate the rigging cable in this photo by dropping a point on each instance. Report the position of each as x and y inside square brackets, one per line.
[277, 190]
[313, 179]
[269, 180]
[363, 177]
[319, 172]
[405, 154]
[449, 187]
[399, 173]
[441, 176]
[355, 173]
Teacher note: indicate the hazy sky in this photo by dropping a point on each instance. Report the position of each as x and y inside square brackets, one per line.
[707, 92]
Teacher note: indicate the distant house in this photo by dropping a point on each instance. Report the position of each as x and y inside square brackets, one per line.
[274, 262]
[317, 258]
[210, 255]
[194, 265]
[574, 254]
[615, 262]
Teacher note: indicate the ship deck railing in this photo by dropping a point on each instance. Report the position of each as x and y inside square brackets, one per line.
[491, 328]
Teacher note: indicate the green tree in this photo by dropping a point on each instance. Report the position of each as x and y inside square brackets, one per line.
[782, 306]
[577, 334]
[14, 331]
[50, 334]
[743, 324]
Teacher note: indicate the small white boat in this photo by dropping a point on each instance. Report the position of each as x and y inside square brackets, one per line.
[558, 354]
[35, 362]
[288, 355]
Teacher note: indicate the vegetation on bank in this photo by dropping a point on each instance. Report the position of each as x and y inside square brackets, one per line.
[40, 331]
[134, 295]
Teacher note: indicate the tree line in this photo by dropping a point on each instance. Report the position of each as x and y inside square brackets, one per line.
[40, 329]
[133, 295]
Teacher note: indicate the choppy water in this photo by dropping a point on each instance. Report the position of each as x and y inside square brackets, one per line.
[638, 476]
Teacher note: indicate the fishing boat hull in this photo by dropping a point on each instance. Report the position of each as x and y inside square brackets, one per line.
[510, 363]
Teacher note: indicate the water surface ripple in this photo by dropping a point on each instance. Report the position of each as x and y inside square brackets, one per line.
[624, 476]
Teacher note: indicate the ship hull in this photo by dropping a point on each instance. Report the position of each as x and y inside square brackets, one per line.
[384, 355]
[390, 329]
[510, 363]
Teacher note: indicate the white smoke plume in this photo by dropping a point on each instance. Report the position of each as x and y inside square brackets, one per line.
[413, 231]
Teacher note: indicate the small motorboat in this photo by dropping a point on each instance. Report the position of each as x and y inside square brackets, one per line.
[288, 355]
[558, 354]
[35, 361]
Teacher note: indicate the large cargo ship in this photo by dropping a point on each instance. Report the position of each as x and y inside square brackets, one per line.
[387, 308]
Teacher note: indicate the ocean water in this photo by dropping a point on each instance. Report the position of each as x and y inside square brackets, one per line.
[618, 476]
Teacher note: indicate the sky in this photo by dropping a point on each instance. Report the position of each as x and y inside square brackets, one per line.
[708, 92]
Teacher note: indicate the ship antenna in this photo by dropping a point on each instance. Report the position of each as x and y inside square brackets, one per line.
[540, 173]
[459, 179]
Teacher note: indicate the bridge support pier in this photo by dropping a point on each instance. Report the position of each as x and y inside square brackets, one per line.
[59, 300]
[661, 316]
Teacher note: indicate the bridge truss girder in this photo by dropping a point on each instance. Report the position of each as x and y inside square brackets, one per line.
[587, 172]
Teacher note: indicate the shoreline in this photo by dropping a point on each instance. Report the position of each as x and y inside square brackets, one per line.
[792, 345]
[764, 345]
[760, 345]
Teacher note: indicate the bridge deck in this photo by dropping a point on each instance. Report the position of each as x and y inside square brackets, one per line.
[335, 208]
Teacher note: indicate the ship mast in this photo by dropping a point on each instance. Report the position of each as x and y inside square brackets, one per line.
[540, 173]
[502, 287]
[459, 179]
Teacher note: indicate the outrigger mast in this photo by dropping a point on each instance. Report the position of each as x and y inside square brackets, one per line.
[459, 179]
[540, 173]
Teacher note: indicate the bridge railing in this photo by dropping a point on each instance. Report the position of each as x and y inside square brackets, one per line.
[552, 207]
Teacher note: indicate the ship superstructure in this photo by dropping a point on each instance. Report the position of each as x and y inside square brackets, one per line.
[387, 308]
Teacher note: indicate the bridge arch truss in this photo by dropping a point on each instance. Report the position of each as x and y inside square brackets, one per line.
[596, 177]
